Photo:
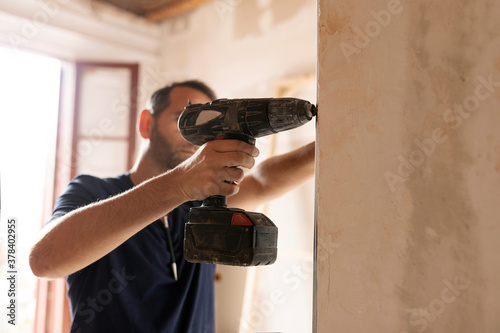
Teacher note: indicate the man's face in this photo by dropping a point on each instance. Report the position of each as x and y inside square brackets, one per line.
[167, 147]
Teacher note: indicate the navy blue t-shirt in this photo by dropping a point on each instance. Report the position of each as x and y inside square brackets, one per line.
[132, 289]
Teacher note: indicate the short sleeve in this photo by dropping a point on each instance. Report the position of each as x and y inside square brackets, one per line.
[79, 192]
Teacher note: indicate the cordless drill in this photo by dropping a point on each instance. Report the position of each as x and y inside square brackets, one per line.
[231, 236]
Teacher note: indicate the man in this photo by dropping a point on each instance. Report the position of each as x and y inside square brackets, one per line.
[106, 235]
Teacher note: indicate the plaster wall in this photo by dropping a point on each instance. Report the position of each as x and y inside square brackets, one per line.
[242, 48]
[77, 30]
[408, 174]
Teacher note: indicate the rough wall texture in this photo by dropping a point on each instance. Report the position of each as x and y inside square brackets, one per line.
[408, 214]
[242, 47]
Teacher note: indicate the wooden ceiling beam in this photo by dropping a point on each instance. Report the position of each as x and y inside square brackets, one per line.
[174, 8]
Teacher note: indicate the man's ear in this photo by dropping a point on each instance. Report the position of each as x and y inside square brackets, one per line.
[146, 123]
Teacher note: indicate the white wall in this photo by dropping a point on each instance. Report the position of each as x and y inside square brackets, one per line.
[245, 49]
[242, 47]
[77, 30]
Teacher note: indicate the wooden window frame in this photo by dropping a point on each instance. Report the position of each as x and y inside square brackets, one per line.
[52, 308]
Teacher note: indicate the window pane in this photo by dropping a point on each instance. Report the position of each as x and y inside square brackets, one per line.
[103, 107]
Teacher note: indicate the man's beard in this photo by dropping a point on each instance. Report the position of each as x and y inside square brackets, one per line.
[162, 152]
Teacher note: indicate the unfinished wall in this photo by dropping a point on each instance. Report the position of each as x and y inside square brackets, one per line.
[246, 48]
[242, 48]
[408, 183]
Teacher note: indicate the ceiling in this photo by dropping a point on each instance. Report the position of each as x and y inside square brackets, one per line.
[156, 10]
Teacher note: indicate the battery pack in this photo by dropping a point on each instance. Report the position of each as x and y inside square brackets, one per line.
[230, 236]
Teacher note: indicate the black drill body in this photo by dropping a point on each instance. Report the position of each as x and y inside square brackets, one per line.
[231, 236]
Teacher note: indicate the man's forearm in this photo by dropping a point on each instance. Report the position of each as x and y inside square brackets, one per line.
[85, 235]
[274, 177]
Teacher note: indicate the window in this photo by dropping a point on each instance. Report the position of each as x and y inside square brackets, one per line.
[29, 98]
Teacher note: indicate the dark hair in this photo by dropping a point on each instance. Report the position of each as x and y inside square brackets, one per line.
[160, 100]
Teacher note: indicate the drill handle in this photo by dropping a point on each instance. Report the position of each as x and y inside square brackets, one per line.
[237, 136]
[220, 201]
[217, 201]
